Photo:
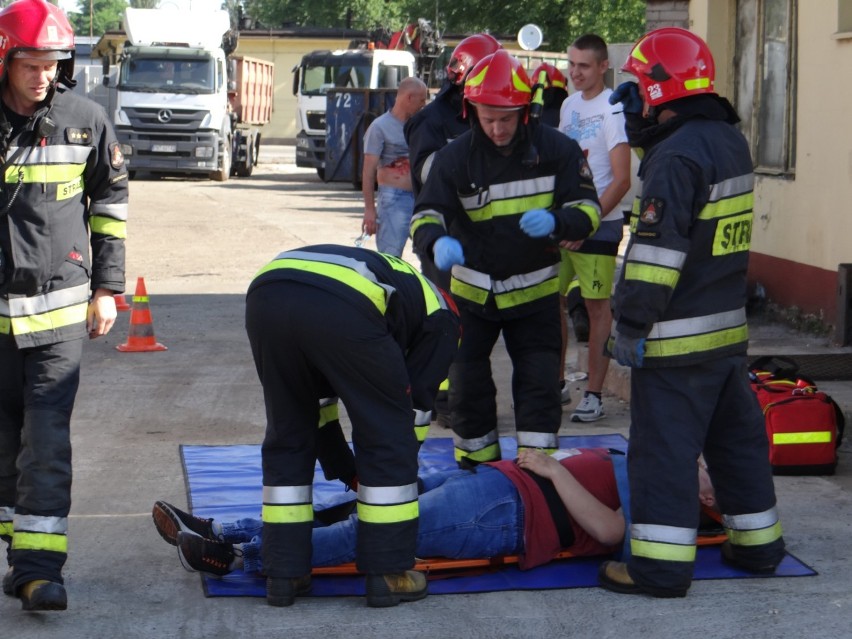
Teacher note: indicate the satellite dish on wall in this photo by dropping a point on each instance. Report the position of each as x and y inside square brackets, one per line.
[530, 37]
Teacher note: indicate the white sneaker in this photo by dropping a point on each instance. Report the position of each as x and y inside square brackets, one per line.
[590, 409]
[564, 393]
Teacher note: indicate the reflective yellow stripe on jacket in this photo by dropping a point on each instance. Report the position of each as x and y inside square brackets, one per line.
[697, 334]
[346, 270]
[509, 293]
[49, 311]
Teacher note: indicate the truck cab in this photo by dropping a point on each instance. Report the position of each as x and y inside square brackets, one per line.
[321, 71]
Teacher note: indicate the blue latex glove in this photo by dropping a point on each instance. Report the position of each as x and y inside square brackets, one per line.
[628, 94]
[447, 251]
[538, 223]
[628, 351]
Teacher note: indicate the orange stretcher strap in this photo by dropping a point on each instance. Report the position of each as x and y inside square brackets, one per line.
[443, 564]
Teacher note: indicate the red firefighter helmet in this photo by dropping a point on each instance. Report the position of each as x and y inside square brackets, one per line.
[671, 63]
[553, 76]
[39, 27]
[467, 53]
[498, 80]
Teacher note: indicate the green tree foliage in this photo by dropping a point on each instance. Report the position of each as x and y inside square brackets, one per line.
[560, 20]
[98, 17]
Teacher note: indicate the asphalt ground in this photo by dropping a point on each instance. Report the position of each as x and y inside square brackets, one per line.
[197, 244]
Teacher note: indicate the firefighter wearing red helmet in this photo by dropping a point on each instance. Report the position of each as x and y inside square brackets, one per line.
[440, 121]
[680, 323]
[554, 89]
[498, 200]
[63, 211]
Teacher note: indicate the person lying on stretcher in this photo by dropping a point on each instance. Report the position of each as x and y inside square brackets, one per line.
[533, 507]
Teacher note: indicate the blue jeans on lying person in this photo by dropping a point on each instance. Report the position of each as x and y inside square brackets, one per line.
[463, 515]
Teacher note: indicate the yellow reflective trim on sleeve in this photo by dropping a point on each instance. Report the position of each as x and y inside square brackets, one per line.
[43, 173]
[290, 514]
[6, 528]
[818, 437]
[445, 385]
[489, 453]
[70, 189]
[388, 514]
[652, 274]
[468, 292]
[421, 432]
[695, 343]
[511, 299]
[729, 206]
[50, 320]
[661, 551]
[5, 325]
[755, 537]
[511, 206]
[593, 213]
[327, 414]
[416, 224]
[733, 234]
[372, 291]
[108, 226]
[23, 540]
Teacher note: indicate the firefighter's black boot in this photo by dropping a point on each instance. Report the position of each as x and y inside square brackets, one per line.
[43, 595]
[388, 590]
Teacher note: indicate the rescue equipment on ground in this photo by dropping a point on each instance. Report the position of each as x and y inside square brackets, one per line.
[803, 424]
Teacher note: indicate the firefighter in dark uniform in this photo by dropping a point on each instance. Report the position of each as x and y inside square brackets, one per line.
[368, 328]
[428, 131]
[680, 323]
[497, 202]
[553, 87]
[63, 212]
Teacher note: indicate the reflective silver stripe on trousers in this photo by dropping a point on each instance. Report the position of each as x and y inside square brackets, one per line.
[478, 443]
[664, 534]
[36, 524]
[385, 495]
[530, 439]
[751, 521]
[283, 495]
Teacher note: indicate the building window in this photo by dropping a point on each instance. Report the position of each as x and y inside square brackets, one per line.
[844, 17]
[766, 81]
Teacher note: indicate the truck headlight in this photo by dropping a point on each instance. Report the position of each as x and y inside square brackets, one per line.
[121, 117]
[127, 150]
[303, 143]
[204, 151]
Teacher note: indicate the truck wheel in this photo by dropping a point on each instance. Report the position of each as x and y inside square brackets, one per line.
[244, 167]
[224, 171]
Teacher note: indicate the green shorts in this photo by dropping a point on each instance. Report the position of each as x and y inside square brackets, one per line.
[596, 274]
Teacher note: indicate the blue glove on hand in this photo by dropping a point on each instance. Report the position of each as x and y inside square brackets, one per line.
[628, 351]
[538, 223]
[628, 94]
[447, 251]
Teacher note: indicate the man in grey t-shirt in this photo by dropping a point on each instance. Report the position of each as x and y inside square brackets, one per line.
[386, 162]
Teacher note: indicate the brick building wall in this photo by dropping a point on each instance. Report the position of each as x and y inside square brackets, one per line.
[666, 13]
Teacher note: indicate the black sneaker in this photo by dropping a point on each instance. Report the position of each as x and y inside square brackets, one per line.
[170, 521]
[198, 554]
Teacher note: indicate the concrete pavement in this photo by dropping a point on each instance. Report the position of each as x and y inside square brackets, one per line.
[135, 410]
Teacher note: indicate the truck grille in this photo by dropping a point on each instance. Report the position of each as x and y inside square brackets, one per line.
[316, 119]
[165, 118]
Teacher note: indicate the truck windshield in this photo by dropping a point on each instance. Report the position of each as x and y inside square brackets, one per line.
[318, 78]
[173, 75]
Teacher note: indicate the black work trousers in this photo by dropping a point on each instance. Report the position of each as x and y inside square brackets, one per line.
[533, 344]
[308, 344]
[38, 387]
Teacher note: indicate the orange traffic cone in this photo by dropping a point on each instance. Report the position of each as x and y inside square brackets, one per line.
[121, 303]
[141, 337]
